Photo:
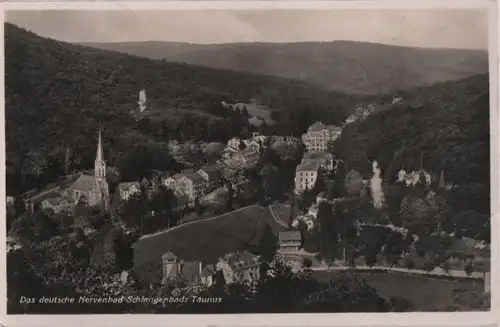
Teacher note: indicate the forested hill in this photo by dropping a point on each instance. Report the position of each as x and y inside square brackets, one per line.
[354, 67]
[444, 127]
[59, 94]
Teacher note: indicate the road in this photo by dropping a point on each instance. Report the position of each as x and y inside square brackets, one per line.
[436, 272]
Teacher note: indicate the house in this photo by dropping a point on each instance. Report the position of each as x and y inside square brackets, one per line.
[234, 143]
[411, 179]
[321, 197]
[190, 272]
[177, 269]
[239, 267]
[290, 251]
[251, 152]
[208, 275]
[58, 204]
[229, 153]
[318, 135]
[305, 175]
[290, 241]
[192, 184]
[171, 182]
[259, 138]
[212, 177]
[126, 190]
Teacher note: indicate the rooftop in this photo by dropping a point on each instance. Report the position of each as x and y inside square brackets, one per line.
[128, 185]
[308, 166]
[84, 183]
[195, 177]
[290, 236]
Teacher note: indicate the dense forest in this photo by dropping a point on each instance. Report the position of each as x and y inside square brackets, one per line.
[353, 67]
[59, 94]
[441, 128]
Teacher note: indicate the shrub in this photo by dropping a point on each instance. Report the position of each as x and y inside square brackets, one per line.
[446, 265]
[307, 263]
[468, 268]
[409, 262]
[429, 265]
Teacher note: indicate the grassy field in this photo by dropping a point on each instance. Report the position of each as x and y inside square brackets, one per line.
[426, 294]
[204, 240]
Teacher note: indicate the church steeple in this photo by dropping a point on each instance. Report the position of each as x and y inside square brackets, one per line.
[99, 164]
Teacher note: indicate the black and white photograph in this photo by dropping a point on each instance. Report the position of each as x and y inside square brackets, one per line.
[217, 161]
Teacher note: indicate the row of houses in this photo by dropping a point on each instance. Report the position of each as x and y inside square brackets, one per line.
[244, 149]
[240, 266]
[195, 184]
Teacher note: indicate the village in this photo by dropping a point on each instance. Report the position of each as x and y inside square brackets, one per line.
[156, 257]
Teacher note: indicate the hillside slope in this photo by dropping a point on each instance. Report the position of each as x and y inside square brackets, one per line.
[445, 127]
[354, 67]
[59, 94]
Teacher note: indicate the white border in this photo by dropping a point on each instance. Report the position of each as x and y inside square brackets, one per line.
[337, 319]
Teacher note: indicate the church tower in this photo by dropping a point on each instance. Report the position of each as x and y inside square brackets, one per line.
[100, 189]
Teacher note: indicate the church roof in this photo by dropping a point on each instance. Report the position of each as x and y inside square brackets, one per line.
[99, 155]
[83, 183]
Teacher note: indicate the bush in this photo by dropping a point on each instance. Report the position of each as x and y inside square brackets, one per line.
[307, 263]
[446, 265]
[468, 268]
[429, 265]
[409, 262]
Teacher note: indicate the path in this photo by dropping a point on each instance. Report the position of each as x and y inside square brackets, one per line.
[276, 218]
[198, 221]
[436, 272]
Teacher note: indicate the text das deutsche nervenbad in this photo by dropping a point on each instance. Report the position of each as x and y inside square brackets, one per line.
[119, 299]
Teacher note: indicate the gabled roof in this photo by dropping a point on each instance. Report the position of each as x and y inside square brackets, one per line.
[290, 236]
[57, 200]
[240, 259]
[84, 183]
[126, 186]
[335, 129]
[177, 177]
[308, 166]
[317, 126]
[169, 256]
[195, 177]
[190, 270]
[212, 172]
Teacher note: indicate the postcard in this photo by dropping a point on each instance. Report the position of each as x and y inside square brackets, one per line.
[278, 163]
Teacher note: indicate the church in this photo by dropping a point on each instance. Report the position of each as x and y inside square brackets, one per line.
[91, 190]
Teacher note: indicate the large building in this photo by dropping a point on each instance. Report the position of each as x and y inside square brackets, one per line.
[306, 175]
[92, 190]
[318, 135]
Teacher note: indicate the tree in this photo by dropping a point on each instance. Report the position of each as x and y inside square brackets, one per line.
[409, 262]
[469, 268]
[429, 265]
[268, 245]
[306, 263]
[446, 265]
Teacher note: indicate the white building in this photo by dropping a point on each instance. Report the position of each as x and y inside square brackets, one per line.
[239, 267]
[318, 135]
[306, 175]
[234, 143]
[126, 190]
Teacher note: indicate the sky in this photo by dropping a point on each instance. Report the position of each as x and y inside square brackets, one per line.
[433, 28]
